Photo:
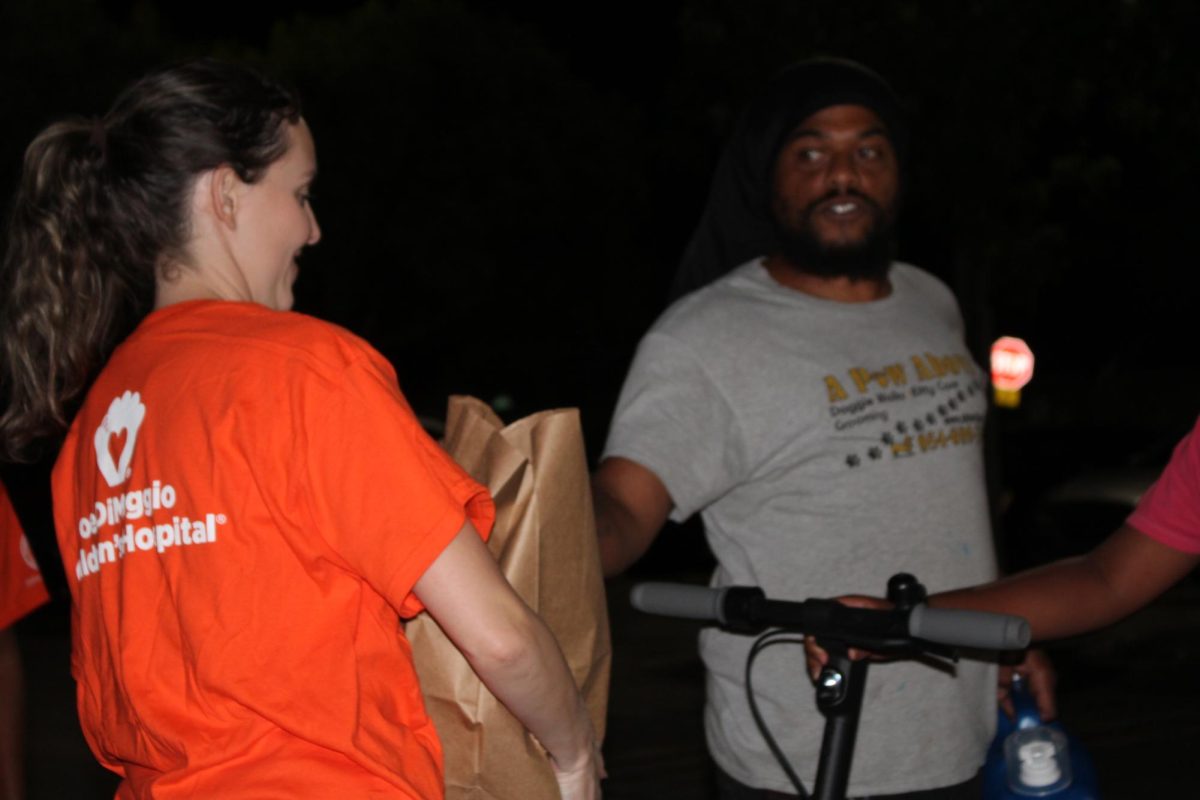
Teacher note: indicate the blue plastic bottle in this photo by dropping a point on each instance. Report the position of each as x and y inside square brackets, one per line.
[1029, 758]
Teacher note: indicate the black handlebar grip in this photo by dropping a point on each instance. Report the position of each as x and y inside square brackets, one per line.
[961, 628]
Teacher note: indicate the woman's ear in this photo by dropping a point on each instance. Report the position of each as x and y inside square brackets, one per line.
[224, 195]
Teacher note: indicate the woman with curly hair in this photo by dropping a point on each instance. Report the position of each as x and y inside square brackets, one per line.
[246, 505]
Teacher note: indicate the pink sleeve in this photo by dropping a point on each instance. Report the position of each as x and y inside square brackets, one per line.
[1170, 510]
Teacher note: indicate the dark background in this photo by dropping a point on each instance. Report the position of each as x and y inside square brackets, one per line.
[506, 188]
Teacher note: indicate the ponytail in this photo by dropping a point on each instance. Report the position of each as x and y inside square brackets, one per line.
[101, 209]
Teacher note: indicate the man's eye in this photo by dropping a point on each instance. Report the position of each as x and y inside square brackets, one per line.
[810, 154]
[873, 152]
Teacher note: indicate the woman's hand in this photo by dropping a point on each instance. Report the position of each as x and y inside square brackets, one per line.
[581, 781]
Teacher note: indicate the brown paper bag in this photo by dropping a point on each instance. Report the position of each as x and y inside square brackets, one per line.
[545, 541]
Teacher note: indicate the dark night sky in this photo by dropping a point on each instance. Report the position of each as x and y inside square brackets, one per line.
[506, 186]
[1053, 145]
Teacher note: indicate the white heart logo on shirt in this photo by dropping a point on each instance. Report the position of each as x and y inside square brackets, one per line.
[124, 417]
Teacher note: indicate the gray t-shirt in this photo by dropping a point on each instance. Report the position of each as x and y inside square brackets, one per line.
[826, 446]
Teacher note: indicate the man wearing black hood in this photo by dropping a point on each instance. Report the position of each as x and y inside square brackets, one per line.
[814, 401]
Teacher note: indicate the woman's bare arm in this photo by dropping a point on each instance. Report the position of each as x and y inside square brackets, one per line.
[515, 656]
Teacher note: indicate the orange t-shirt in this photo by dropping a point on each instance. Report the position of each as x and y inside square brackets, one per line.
[21, 586]
[244, 504]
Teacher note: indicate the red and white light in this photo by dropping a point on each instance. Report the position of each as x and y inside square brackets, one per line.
[1012, 368]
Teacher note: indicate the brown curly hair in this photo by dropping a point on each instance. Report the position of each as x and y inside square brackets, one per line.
[102, 208]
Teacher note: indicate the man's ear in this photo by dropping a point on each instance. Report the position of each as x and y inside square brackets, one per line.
[224, 195]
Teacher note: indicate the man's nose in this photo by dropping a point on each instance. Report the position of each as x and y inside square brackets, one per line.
[843, 171]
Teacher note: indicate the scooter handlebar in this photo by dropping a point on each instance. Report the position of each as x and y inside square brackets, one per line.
[961, 628]
[747, 608]
[679, 600]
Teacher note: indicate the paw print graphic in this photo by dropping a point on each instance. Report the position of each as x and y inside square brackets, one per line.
[942, 410]
[853, 460]
[887, 438]
[930, 418]
[953, 404]
[901, 427]
[917, 426]
[875, 453]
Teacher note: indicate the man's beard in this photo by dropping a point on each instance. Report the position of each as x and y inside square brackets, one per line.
[866, 259]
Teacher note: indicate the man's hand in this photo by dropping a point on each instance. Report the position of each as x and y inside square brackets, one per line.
[816, 657]
[1040, 678]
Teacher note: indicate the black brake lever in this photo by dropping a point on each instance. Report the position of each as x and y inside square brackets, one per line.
[906, 647]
